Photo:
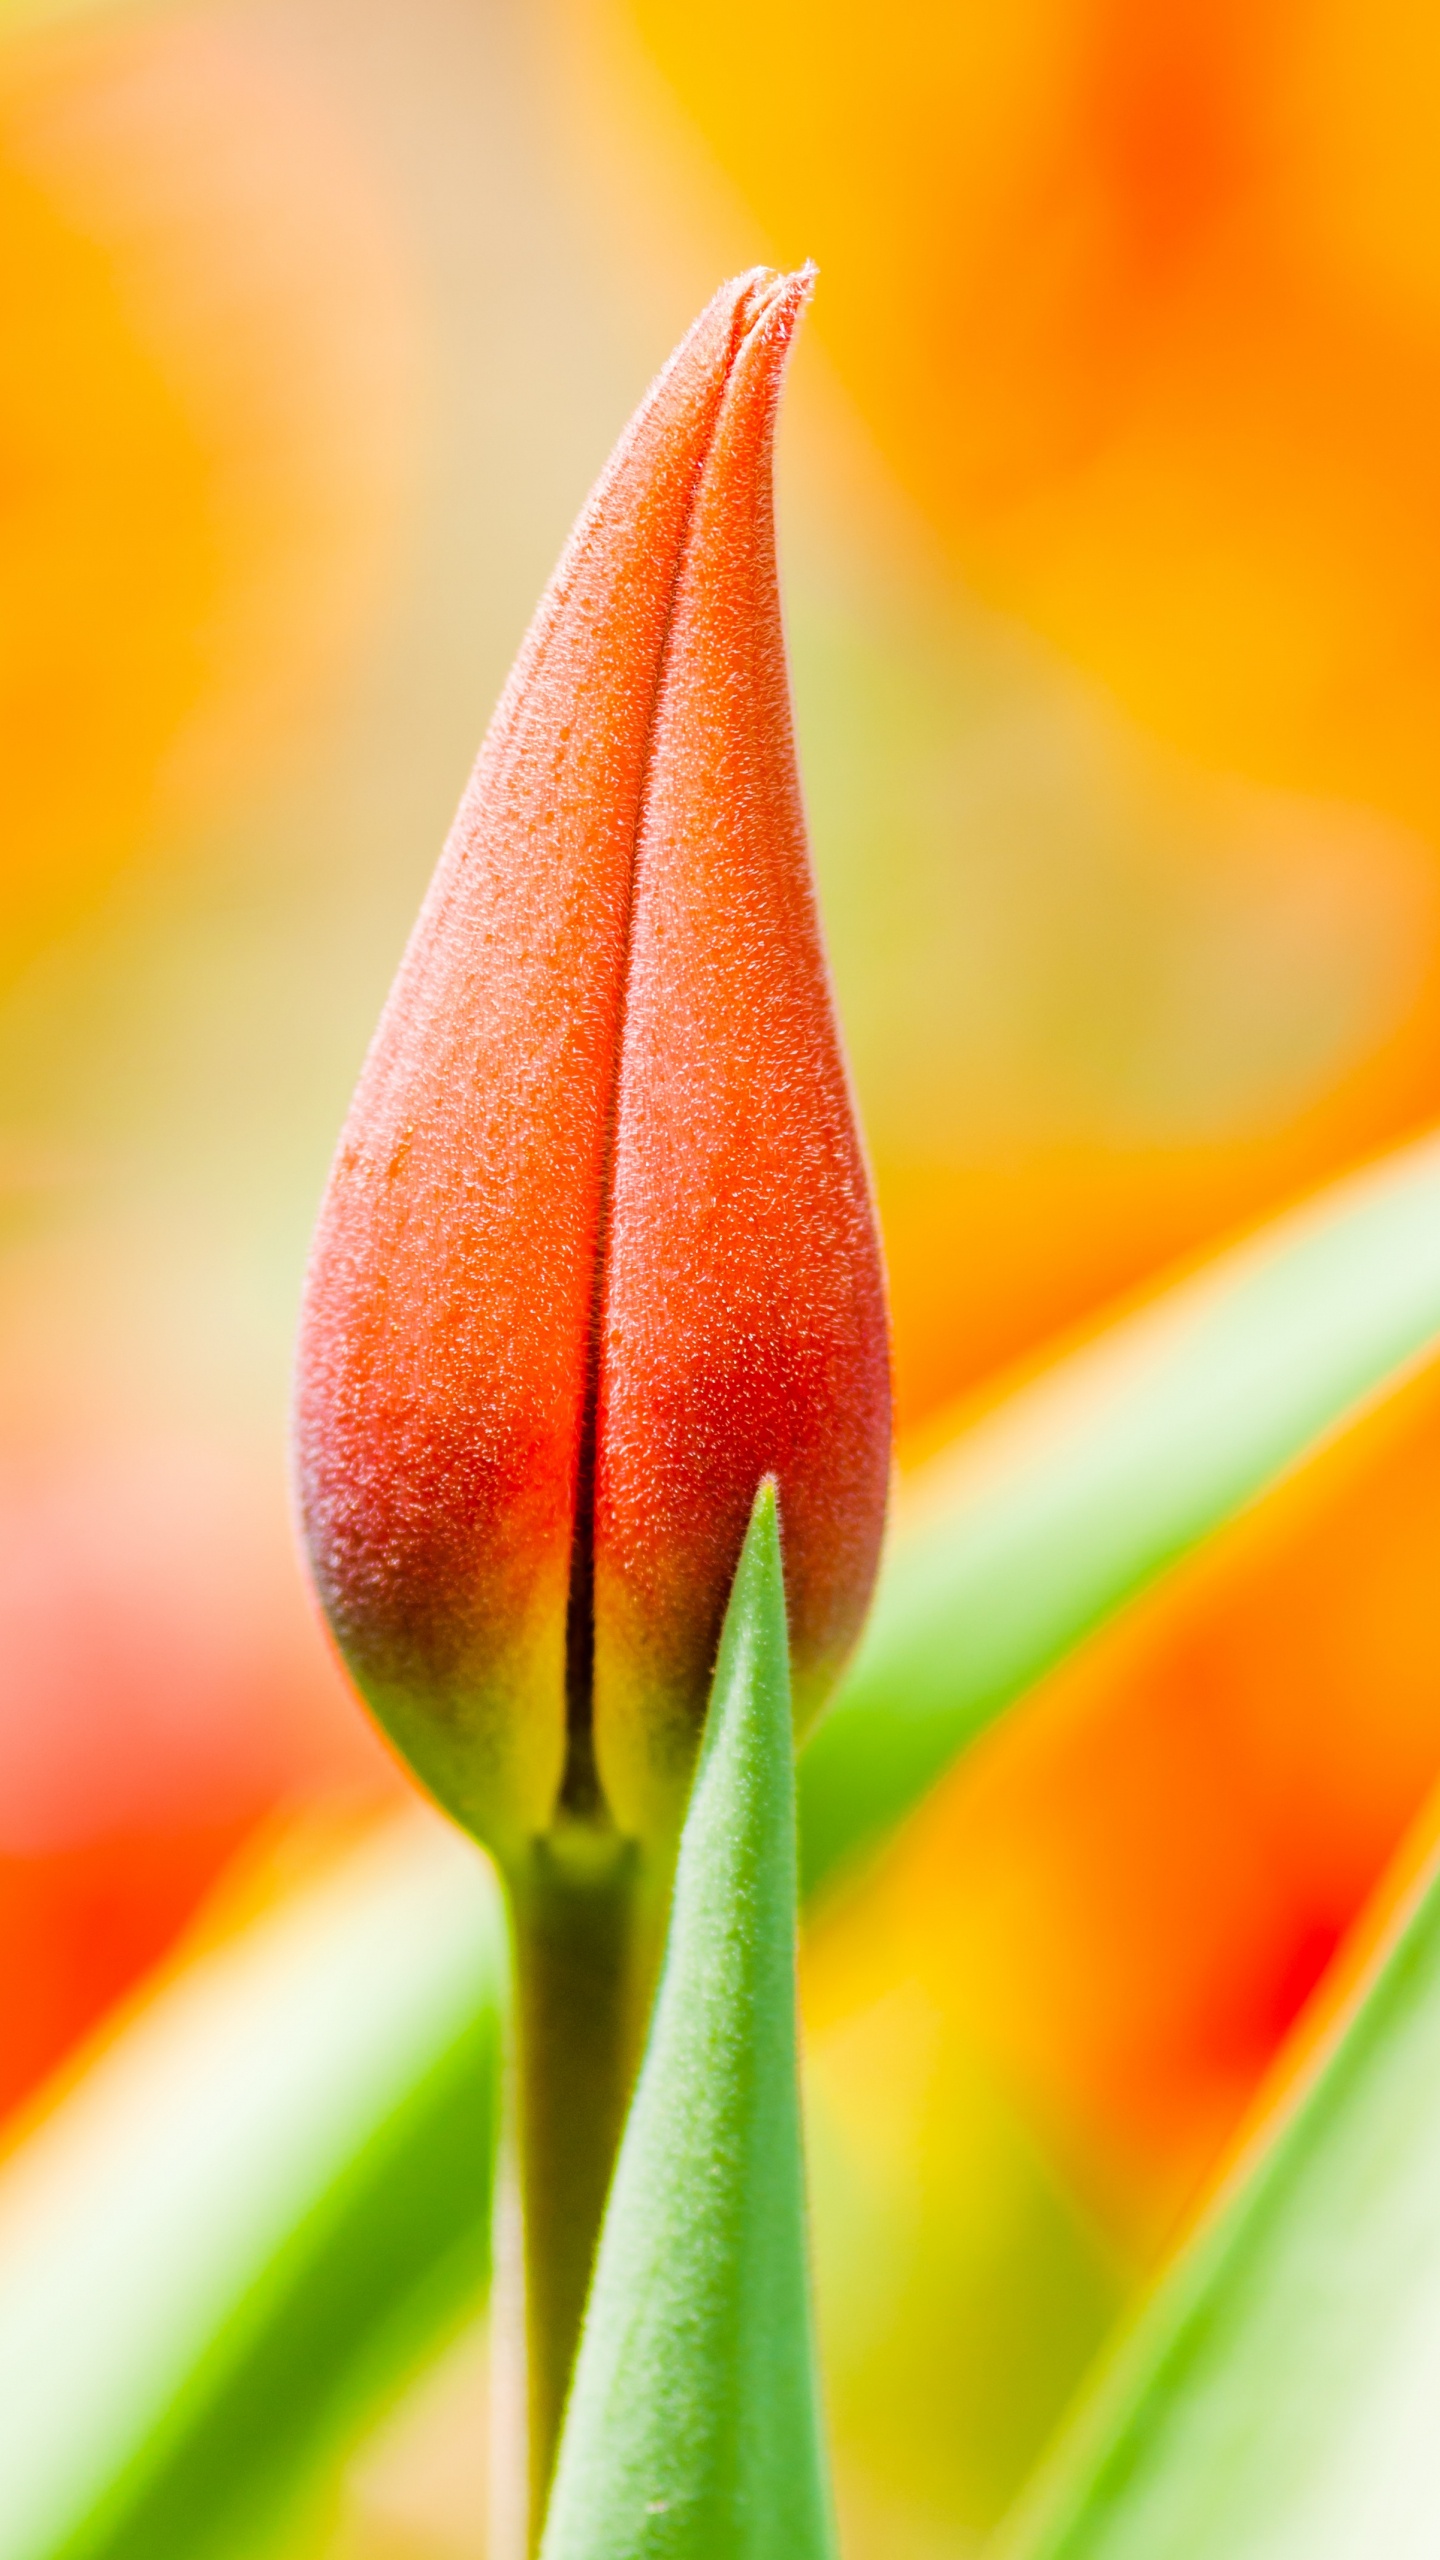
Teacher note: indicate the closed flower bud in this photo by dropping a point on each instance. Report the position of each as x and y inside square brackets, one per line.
[597, 1251]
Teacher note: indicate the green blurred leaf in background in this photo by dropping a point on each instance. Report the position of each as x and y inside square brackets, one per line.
[1075, 1492]
[1278, 2399]
[262, 2204]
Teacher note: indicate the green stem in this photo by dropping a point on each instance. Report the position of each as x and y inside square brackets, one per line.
[585, 1913]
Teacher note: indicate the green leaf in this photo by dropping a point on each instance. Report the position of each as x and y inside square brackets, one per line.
[1279, 2399]
[261, 2201]
[693, 2427]
[1072, 1496]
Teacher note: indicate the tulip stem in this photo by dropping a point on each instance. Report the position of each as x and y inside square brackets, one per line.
[586, 1946]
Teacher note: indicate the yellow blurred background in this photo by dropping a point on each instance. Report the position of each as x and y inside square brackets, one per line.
[1111, 530]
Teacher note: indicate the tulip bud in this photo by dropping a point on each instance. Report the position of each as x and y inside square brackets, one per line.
[597, 1252]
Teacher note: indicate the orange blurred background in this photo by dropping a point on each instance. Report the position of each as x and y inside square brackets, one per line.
[1113, 581]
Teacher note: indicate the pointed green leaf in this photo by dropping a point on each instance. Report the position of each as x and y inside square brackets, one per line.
[693, 2430]
[248, 2216]
[1281, 2398]
[1073, 1495]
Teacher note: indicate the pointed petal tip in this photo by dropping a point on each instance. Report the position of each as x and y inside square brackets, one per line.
[771, 299]
[763, 298]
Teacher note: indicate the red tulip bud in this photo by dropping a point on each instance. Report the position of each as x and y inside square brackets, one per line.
[597, 1251]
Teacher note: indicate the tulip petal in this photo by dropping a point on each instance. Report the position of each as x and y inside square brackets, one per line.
[744, 1325]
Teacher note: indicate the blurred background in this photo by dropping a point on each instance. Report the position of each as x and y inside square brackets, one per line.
[1110, 518]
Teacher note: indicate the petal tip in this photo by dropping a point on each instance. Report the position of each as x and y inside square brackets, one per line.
[772, 298]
